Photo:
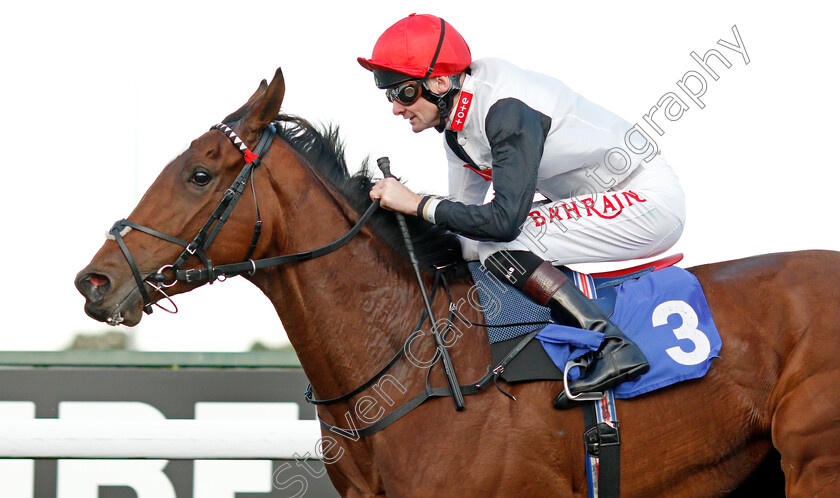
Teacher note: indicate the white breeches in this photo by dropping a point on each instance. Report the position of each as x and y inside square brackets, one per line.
[643, 218]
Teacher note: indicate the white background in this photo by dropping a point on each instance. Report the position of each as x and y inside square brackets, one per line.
[96, 98]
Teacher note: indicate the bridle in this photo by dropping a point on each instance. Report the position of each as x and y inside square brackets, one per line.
[205, 236]
[158, 280]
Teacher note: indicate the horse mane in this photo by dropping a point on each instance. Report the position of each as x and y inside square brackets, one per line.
[323, 149]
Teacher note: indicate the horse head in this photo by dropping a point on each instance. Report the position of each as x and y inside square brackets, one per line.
[173, 226]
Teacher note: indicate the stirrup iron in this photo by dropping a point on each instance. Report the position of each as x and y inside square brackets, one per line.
[581, 362]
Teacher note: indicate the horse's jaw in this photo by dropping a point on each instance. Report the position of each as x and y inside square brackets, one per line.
[124, 313]
[127, 312]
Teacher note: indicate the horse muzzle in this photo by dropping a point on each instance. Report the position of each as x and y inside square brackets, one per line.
[109, 303]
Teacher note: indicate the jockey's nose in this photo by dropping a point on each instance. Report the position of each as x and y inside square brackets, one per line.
[397, 108]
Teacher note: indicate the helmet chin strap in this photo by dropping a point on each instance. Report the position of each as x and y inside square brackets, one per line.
[444, 100]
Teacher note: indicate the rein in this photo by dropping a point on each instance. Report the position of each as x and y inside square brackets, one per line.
[250, 266]
[204, 238]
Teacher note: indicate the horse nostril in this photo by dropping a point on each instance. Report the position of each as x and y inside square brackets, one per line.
[97, 280]
[94, 286]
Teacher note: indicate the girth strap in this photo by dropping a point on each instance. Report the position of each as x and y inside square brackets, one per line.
[602, 440]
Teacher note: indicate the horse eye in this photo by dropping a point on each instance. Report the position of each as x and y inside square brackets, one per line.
[201, 177]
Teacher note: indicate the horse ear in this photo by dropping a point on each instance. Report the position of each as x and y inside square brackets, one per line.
[237, 114]
[259, 92]
[264, 105]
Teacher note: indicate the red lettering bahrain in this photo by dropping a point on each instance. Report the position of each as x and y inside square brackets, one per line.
[606, 206]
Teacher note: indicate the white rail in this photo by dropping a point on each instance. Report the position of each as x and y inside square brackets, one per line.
[163, 439]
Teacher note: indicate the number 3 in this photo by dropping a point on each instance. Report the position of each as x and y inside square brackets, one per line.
[688, 330]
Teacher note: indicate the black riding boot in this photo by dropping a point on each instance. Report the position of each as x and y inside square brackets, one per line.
[617, 360]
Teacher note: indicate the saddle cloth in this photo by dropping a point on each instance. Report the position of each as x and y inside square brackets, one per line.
[664, 312]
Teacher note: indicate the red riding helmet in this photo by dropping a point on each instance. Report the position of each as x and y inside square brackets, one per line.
[417, 47]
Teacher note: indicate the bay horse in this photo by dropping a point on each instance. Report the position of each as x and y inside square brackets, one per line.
[773, 389]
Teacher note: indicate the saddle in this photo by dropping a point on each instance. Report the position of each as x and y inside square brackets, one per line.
[503, 304]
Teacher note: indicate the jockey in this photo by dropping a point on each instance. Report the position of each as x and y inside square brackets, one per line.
[608, 193]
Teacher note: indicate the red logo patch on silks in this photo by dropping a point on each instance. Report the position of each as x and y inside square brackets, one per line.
[249, 156]
[461, 111]
[487, 174]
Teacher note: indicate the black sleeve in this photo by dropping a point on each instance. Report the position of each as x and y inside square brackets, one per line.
[517, 135]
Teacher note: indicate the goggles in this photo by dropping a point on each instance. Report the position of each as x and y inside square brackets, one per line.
[406, 93]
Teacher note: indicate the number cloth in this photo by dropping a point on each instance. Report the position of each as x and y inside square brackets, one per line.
[665, 313]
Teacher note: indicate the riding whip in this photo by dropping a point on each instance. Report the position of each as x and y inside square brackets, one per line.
[448, 369]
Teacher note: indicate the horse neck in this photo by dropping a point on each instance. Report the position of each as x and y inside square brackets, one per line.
[346, 312]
